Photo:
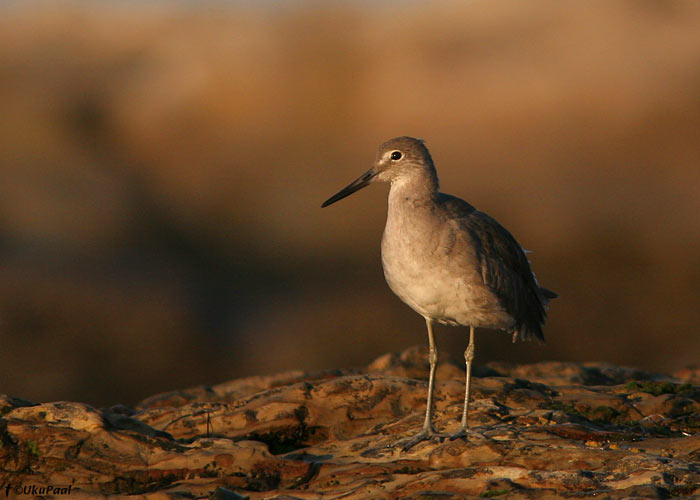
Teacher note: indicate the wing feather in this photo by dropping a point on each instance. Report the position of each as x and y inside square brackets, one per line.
[504, 268]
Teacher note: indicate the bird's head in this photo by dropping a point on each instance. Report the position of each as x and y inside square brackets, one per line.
[396, 158]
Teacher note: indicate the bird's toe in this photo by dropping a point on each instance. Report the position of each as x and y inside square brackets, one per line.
[462, 433]
[425, 435]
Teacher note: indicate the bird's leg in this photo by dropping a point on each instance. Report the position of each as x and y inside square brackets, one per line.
[468, 357]
[433, 360]
[428, 431]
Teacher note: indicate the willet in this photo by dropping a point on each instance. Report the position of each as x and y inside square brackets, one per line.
[449, 262]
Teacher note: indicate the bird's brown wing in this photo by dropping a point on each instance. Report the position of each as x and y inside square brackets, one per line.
[504, 268]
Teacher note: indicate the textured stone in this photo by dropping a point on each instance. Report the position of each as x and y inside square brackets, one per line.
[547, 430]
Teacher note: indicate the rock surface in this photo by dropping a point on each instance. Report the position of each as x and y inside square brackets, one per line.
[546, 430]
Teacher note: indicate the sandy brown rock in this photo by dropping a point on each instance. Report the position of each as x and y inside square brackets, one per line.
[547, 430]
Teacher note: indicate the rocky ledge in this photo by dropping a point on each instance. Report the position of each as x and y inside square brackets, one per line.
[554, 430]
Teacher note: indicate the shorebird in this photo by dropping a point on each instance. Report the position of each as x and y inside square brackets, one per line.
[449, 262]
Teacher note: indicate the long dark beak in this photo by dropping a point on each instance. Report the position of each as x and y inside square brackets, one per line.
[362, 181]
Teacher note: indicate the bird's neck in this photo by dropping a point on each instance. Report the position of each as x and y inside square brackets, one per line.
[417, 188]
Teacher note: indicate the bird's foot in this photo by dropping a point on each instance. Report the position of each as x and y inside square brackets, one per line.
[427, 434]
[462, 433]
[467, 433]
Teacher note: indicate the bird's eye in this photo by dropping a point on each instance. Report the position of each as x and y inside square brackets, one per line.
[396, 155]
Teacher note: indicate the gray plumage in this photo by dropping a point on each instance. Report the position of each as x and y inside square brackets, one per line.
[448, 261]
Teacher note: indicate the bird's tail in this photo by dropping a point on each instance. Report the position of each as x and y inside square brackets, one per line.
[532, 330]
[529, 333]
[547, 295]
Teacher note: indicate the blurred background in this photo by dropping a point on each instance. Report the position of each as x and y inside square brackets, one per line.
[162, 167]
